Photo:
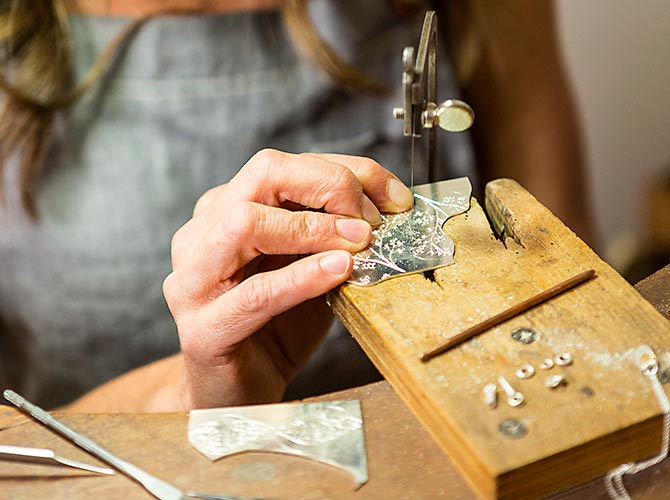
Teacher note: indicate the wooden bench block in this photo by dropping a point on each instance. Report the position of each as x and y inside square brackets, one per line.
[607, 413]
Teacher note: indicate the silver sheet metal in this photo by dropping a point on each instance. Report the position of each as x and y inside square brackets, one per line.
[413, 241]
[329, 432]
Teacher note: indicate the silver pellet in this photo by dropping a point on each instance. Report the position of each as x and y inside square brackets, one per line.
[490, 395]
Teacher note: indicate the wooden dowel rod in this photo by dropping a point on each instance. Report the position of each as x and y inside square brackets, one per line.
[507, 314]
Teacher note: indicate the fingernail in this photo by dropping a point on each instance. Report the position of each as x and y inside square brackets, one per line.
[399, 194]
[335, 263]
[370, 212]
[355, 230]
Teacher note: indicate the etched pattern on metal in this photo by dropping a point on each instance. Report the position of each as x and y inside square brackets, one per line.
[328, 432]
[414, 241]
[320, 426]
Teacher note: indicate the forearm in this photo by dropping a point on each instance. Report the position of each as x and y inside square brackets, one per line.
[157, 387]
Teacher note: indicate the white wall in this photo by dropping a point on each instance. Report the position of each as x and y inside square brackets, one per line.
[618, 55]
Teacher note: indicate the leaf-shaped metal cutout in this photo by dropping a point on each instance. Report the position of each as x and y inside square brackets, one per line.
[319, 426]
[328, 432]
[413, 241]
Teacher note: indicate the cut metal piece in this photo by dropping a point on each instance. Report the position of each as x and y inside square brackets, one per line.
[554, 381]
[491, 396]
[526, 371]
[563, 359]
[515, 400]
[514, 397]
[646, 360]
[547, 364]
[329, 432]
[413, 241]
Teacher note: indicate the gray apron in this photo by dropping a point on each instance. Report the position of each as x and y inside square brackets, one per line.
[185, 104]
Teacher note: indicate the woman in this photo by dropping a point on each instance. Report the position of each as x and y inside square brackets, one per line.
[186, 101]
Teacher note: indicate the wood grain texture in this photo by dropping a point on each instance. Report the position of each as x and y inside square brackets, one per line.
[656, 290]
[404, 461]
[605, 415]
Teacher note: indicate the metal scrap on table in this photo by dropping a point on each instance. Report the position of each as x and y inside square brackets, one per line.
[414, 241]
[329, 432]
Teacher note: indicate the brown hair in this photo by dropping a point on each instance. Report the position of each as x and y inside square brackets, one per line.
[306, 38]
[35, 49]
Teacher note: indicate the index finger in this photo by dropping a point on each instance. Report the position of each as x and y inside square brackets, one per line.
[315, 181]
[382, 186]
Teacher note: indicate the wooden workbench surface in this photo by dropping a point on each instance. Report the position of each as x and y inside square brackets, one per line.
[602, 414]
[404, 462]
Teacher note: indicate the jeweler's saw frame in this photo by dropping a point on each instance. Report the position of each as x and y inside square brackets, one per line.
[420, 110]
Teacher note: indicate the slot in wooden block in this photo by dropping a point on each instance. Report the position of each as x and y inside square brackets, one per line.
[607, 413]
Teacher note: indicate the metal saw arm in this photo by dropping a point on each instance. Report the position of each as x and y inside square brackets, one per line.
[419, 110]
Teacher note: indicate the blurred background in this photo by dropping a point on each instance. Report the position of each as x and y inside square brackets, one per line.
[617, 53]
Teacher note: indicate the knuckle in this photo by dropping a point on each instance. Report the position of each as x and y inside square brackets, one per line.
[292, 280]
[368, 166]
[182, 242]
[256, 172]
[174, 250]
[257, 296]
[176, 296]
[239, 226]
[176, 241]
[169, 289]
[179, 243]
[191, 335]
[267, 158]
[345, 180]
[206, 198]
[372, 175]
[309, 224]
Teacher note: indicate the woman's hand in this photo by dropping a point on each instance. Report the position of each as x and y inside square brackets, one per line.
[248, 310]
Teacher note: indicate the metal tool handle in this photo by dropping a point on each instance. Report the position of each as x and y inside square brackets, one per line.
[44, 456]
[25, 454]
